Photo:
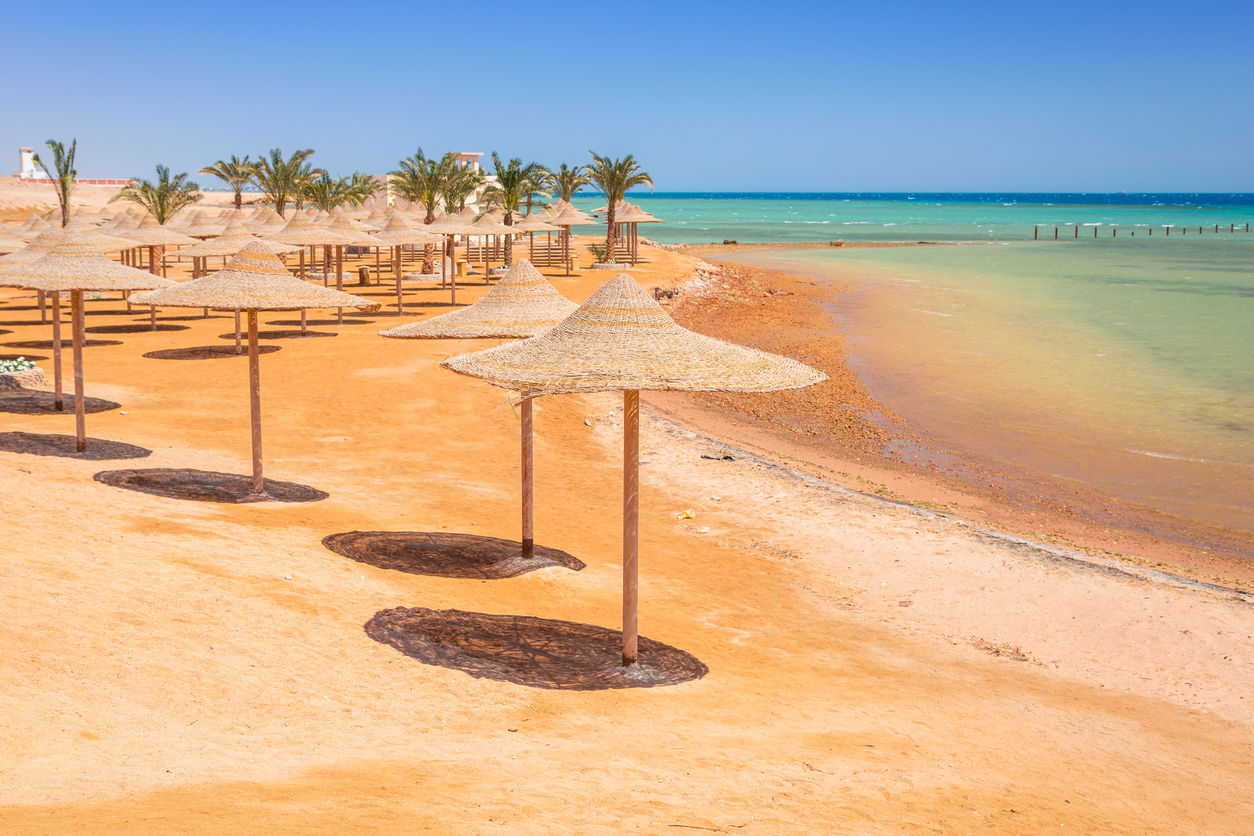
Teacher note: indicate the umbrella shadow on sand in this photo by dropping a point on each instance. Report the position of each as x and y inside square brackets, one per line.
[205, 352]
[35, 402]
[535, 652]
[64, 447]
[446, 554]
[205, 485]
[133, 328]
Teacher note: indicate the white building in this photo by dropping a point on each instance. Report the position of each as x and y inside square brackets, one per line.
[26, 168]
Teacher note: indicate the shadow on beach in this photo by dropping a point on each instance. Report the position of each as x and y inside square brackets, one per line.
[35, 402]
[205, 486]
[132, 328]
[524, 650]
[206, 352]
[282, 335]
[65, 447]
[445, 554]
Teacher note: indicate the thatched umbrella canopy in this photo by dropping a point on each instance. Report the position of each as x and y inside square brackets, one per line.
[396, 234]
[632, 215]
[202, 226]
[32, 221]
[233, 239]
[566, 217]
[32, 227]
[376, 219]
[75, 264]
[352, 234]
[10, 243]
[153, 235]
[622, 339]
[254, 280]
[452, 226]
[302, 231]
[522, 305]
[531, 224]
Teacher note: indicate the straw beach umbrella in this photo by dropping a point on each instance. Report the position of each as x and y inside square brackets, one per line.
[567, 217]
[396, 234]
[531, 224]
[303, 232]
[523, 304]
[75, 264]
[152, 235]
[254, 280]
[233, 239]
[622, 339]
[452, 226]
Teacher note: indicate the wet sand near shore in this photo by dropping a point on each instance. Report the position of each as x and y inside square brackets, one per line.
[186, 667]
[838, 431]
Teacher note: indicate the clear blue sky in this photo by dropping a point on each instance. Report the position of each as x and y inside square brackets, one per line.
[803, 96]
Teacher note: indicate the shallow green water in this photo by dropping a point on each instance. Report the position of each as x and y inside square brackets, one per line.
[1125, 364]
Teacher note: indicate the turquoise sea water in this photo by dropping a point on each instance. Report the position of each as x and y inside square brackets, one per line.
[1121, 364]
[773, 219]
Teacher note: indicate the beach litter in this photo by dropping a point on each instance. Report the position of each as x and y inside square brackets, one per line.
[686, 514]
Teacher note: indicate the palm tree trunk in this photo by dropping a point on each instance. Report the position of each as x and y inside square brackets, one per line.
[609, 232]
[239, 200]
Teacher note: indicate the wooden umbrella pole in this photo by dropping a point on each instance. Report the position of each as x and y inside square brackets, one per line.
[528, 504]
[58, 396]
[304, 323]
[80, 414]
[238, 349]
[631, 523]
[396, 271]
[302, 263]
[254, 391]
[339, 279]
[152, 316]
[43, 311]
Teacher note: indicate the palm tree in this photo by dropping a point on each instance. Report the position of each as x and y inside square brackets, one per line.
[566, 182]
[63, 161]
[614, 178]
[162, 199]
[234, 172]
[423, 179]
[280, 179]
[514, 184]
[462, 183]
[358, 188]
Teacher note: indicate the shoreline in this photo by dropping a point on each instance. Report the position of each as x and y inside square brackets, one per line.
[853, 451]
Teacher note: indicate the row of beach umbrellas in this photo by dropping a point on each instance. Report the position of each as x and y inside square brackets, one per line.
[619, 340]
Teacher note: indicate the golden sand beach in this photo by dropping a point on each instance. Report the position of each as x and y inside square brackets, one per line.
[189, 667]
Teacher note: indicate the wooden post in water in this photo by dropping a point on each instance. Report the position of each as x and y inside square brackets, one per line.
[1055, 233]
[528, 504]
[631, 524]
[58, 396]
[1077, 230]
[1094, 232]
[1114, 233]
[254, 392]
[80, 414]
[1035, 230]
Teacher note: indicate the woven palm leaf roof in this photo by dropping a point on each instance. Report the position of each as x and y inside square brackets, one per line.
[523, 304]
[351, 230]
[399, 233]
[300, 230]
[75, 263]
[622, 339]
[149, 233]
[233, 239]
[253, 279]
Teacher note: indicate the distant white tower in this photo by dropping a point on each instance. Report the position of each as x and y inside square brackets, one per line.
[26, 168]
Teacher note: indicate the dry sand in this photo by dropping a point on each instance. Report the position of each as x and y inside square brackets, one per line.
[176, 667]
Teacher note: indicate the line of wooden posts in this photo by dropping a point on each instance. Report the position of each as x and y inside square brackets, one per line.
[1114, 230]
